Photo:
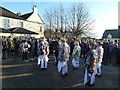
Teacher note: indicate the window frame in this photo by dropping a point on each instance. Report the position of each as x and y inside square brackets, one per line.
[6, 23]
[21, 24]
[40, 29]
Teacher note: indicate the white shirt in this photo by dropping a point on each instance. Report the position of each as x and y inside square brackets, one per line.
[100, 51]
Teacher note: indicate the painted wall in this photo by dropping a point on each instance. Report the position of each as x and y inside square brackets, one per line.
[35, 18]
[32, 26]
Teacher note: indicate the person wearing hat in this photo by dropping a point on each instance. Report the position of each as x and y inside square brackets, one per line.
[57, 50]
[76, 55]
[63, 58]
[100, 52]
[43, 51]
[24, 47]
[72, 45]
[90, 65]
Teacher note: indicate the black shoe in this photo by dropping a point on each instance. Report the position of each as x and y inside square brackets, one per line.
[98, 75]
[87, 83]
[91, 85]
[66, 73]
[42, 68]
[74, 68]
[77, 68]
[62, 75]
[45, 68]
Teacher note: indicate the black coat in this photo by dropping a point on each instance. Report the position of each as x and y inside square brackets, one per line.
[114, 51]
[106, 48]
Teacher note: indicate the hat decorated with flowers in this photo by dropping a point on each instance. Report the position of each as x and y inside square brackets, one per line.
[63, 39]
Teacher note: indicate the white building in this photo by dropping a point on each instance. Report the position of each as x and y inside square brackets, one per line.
[30, 21]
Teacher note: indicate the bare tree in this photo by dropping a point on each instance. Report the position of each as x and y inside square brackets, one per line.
[60, 19]
[80, 21]
[76, 20]
[49, 20]
[56, 19]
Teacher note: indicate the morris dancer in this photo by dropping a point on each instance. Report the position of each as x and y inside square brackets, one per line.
[25, 46]
[90, 65]
[100, 52]
[63, 58]
[43, 54]
[57, 51]
[76, 55]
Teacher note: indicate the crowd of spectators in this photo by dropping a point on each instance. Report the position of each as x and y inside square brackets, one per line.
[12, 47]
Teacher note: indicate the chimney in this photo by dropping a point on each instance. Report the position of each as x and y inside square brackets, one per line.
[19, 14]
[35, 9]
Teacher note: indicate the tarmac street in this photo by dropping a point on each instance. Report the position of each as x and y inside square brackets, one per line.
[16, 73]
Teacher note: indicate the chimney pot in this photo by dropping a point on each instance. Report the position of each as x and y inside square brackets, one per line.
[19, 14]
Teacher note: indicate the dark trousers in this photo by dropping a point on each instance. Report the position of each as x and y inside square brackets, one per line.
[105, 59]
[119, 60]
[83, 53]
[114, 60]
[16, 51]
[56, 61]
[5, 54]
[25, 55]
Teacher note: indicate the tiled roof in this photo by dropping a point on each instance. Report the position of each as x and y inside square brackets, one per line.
[26, 16]
[2, 30]
[114, 32]
[19, 30]
[6, 13]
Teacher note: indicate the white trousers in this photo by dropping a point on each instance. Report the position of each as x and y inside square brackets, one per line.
[85, 76]
[92, 77]
[63, 67]
[75, 63]
[43, 61]
[98, 68]
[55, 59]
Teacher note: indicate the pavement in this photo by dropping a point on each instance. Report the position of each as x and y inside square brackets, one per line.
[16, 73]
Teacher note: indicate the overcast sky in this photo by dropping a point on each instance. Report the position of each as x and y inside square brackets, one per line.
[104, 12]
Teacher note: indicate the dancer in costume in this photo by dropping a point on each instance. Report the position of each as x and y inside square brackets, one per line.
[76, 55]
[43, 50]
[25, 46]
[63, 58]
[100, 52]
[90, 65]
